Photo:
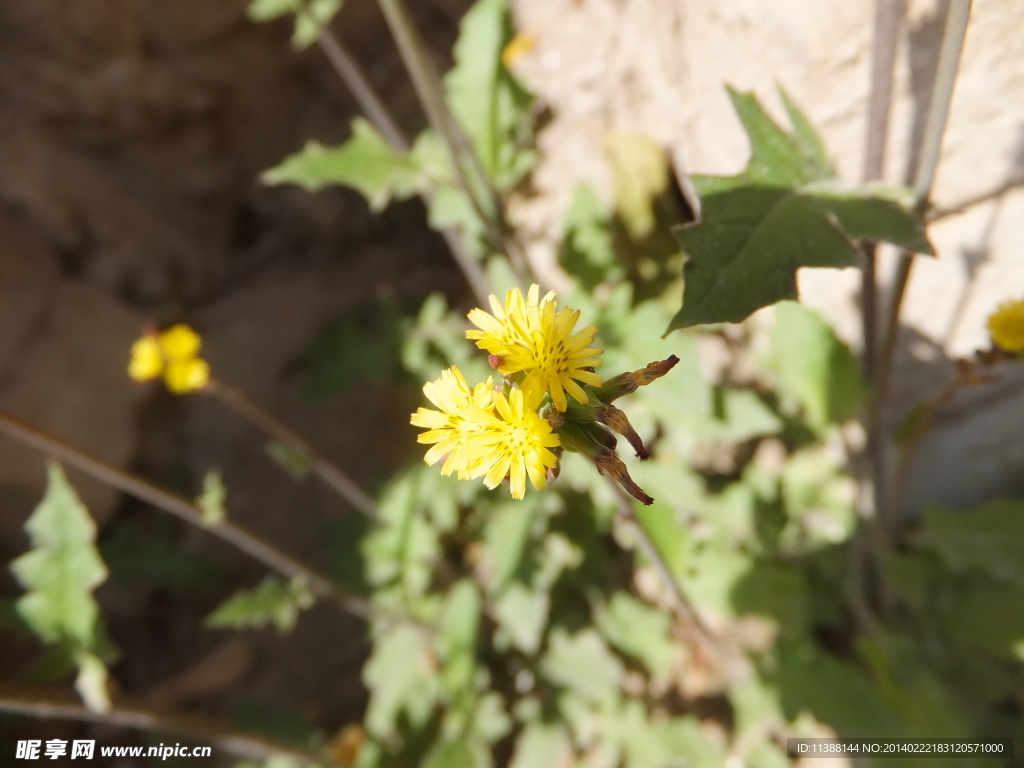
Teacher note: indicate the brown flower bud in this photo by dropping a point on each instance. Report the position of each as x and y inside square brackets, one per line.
[626, 383]
[618, 421]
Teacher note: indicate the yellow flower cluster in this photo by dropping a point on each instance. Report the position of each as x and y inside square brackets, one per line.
[1006, 325]
[529, 336]
[480, 433]
[173, 354]
[496, 433]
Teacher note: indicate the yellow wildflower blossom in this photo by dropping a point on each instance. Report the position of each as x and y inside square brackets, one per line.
[528, 335]
[449, 428]
[174, 354]
[514, 441]
[1006, 325]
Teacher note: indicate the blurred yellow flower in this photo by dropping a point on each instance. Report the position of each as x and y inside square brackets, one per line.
[528, 335]
[174, 354]
[1006, 325]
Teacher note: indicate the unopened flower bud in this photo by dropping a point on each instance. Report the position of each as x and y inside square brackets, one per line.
[611, 465]
[626, 383]
[616, 420]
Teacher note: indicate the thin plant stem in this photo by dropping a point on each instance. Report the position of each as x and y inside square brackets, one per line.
[683, 605]
[36, 701]
[484, 198]
[935, 126]
[355, 79]
[331, 476]
[888, 22]
[938, 214]
[182, 508]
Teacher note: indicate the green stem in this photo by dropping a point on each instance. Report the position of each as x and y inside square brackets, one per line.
[182, 508]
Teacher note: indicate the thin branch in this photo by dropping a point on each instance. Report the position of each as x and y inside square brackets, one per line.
[182, 508]
[935, 126]
[35, 701]
[355, 79]
[888, 22]
[683, 605]
[353, 76]
[938, 214]
[333, 477]
[479, 190]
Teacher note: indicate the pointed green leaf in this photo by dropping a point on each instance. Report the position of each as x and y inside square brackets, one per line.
[273, 601]
[62, 569]
[364, 162]
[782, 213]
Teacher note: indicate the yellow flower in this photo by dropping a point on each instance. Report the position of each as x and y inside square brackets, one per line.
[514, 441]
[448, 428]
[174, 354]
[1006, 325]
[528, 335]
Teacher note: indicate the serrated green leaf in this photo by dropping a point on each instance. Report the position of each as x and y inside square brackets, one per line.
[989, 539]
[640, 631]
[780, 214]
[814, 367]
[62, 568]
[809, 143]
[457, 636]
[211, 501]
[400, 676]
[640, 175]
[364, 162]
[272, 602]
[583, 664]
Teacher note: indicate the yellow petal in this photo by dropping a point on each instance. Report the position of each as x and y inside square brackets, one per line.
[180, 342]
[183, 376]
[147, 361]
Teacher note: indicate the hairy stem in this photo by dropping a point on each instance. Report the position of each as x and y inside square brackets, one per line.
[331, 476]
[182, 508]
[43, 703]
